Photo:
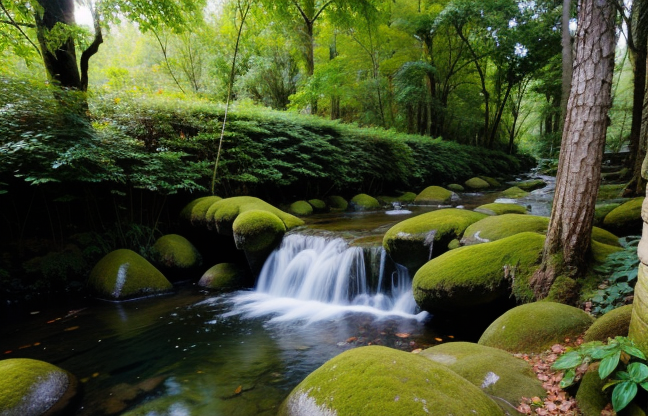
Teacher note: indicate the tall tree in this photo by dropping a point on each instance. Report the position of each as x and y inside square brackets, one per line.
[579, 169]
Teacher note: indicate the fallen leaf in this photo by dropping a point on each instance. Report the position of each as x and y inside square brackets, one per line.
[402, 334]
[351, 339]
[238, 390]
[72, 328]
[8, 352]
[438, 339]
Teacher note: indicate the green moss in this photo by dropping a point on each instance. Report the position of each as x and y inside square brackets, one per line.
[514, 193]
[563, 290]
[407, 197]
[223, 213]
[258, 230]
[473, 276]
[408, 242]
[380, 381]
[605, 237]
[602, 210]
[491, 181]
[454, 244]
[600, 251]
[30, 387]
[318, 205]
[610, 192]
[531, 184]
[498, 373]
[173, 250]
[301, 208]
[590, 395]
[364, 202]
[535, 327]
[434, 195]
[499, 209]
[196, 210]
[223, 276]
[477, 183]
[612, 324]
[626, 218]
[337, 203]
[455, 187]
[124, 274]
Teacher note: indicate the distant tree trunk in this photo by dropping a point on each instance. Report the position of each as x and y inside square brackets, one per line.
[335, 99]
[567, 60]
[579, 168]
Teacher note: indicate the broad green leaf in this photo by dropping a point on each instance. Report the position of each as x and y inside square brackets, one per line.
[569, 360]
[633, 351]
[568, 379]
[638, 372]
[623, 394]
[644, 385]
[608, 364]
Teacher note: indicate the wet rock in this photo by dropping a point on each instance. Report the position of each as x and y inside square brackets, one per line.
[364, 202]
[531, 184]
[455, 187]
[223, 213]
[514, 193]
[224, 276]
[176, 253]
[499, 209]
[318, 205]
[477, 184]
[337, 203]
[301, 208]
[434, 195]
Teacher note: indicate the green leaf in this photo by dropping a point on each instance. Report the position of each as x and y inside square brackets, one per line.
[634, 351]
[638, 372]
[610, 384]
[569, 360]
[608, 364]
[623, 394]
[568, 379]
[644, 385]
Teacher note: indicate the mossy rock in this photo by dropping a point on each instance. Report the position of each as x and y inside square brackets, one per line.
[407, 197]
[600, 251]
[224, 277]
[455, 187]
[318, 205]
[499, 209]
[301, 208]
[601, 210]
[514, 193]
[612, 324]
[498, 373]
[626, 218]
[607, 192]
[491, 181]
[258, 231]
[563, 290]
[434, 195]
[223, 213]
[535, 327]
[33, 388]
[494, 228]
[337, 203]
[477, 184]
[454, 244]
[380, 381]
[410, 242]
[531, 184]
[590, 395]
[176, 252]
[473, 276]
[364, 202]
[123, 274]
[196, 210]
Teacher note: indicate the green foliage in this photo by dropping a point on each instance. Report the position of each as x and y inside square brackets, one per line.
[620, 361]
[620, 273]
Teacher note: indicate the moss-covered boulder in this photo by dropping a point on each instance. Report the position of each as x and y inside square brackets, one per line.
[176, 252]
[434, 195]
[498, 373]
[196, 210]
[514, 193]
[491, 181]
[223, 213]
[407, 197]
[500, 209]
[318, 205]
[477, 184]
[124, 274]
[590, 395]
[337, 203]
[364, 202]
[531, 184]
[612, 324]
[535, 327]
[626, 218]
[412, 242]
[33, 388]
[301, 208]
[601, 210]
[474, 276]
[224, 277]
[455, 187]
[258, 230]
[380, 381]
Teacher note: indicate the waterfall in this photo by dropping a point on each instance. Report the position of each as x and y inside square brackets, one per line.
[313, 278]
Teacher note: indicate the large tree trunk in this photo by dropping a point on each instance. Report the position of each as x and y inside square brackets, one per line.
[579, 168]
[567, 59]
[61, 63]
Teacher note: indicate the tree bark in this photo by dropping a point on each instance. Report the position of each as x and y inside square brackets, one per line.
[579, 166]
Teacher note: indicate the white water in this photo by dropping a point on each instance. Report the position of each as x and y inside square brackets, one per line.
[311, 279]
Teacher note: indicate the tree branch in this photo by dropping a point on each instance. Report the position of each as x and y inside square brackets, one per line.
[17, 26]
[91, 50]
[301, 11]
[166, 60]
[322, 9]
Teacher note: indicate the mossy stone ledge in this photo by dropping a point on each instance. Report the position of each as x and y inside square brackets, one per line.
[411, 242]
[196, 210]
[534, 327]
[500, 209]
[224, 277]
[176, 252]
[625, 219]
[514, 193]
[434, 195]
[223, 213]
[471, 277]
[123, 274]
[364, 202]
[381, 381]
[477, 184]
[301, 208]
[33, 388]
[499, 374]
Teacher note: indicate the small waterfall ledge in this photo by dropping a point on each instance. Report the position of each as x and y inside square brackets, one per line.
[311, 278]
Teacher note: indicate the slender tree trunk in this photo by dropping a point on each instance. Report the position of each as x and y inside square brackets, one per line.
[567, 60]
[310, 58]
[335, 99]
[579, 168]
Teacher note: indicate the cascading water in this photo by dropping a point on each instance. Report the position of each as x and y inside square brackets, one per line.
[312, 278]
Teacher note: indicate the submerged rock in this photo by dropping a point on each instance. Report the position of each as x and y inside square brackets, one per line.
[435, 195]
[176, 252]
[196, 210]
[499, 209]
[364, 202]
[224, 276]
[412, 242]
[380, 381]
[626, 218]
[612, 324]
[124, 274]
[33, 388]
[514, 193]
[477, 184]
[301, 208]
[474, 276]
[534, 327]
